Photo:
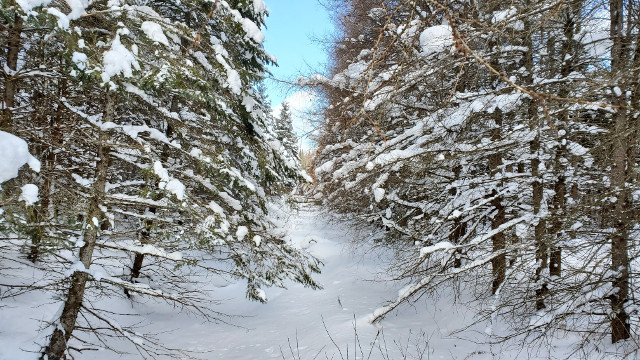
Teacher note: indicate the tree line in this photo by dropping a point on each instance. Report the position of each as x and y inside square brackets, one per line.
[496, 143]
[159, 160]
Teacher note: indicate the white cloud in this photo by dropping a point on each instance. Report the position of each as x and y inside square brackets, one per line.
[299, 103]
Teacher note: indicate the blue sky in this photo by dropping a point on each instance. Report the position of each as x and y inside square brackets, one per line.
[291, 28]
[295, 29]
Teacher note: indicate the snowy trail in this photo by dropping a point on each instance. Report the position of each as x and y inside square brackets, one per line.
[298, 315]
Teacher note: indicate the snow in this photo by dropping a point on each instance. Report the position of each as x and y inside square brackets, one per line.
[261, 294]
[311, 321]
[216, 208]
[576, 149]
[78, 8]
[441, 246]
[147, 249]
[202, 59]
[235, 204]
[503, 15]
[28, 5]
[234, 81]
[63, 20]
[436, 39]
[82, 181]
[378, 194]
[259, 7]
[154, 31]
[617, 91]
[252, 30]
[80, 59]
[14, 153]
[168, 183]
[29, 194]
[174, 186]
[118, 60]
[242, 232]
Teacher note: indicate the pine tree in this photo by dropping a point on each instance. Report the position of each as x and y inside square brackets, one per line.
[284, 131]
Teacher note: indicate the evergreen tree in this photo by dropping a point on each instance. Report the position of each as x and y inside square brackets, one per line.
[284, 131]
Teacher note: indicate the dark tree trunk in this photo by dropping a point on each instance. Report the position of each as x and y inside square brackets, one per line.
[55, 142]
[620, 327]
[537, 186]
[73, 303]
[542, 257]
[568, 53]
[459, 227]
[145, 237]
[13, 50]
[499, 262]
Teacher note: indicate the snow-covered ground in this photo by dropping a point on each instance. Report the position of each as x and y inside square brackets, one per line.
[296, 323]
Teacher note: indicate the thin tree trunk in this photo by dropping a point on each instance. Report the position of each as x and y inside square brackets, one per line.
[568, 55]
[499, 262]
[148, 223]
[559, 201]
[537, 186]
[620, 327]
[10, 86]
[61, 335]
[459, 227]
[542, 257]
[145, 238]
[48, 172]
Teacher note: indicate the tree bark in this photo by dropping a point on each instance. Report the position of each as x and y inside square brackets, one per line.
[55, 141]
[537, 186]
[620, 327]
[145, 237]
[61, 335]
[10, 86]
[568, 54]
[499, 262]
[459, 227]
[542, 257]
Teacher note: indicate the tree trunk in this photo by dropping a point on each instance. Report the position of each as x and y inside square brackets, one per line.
[620, 327]
[499, 262]
[47, 173]
[560, 188]
[537, 186]
[539, 230]
[145, 238]
[10, 86]
[61, 335]
[459, 227]
[568, 54]
[148, 223]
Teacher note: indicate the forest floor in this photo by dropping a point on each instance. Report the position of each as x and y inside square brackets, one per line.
[298, 322]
